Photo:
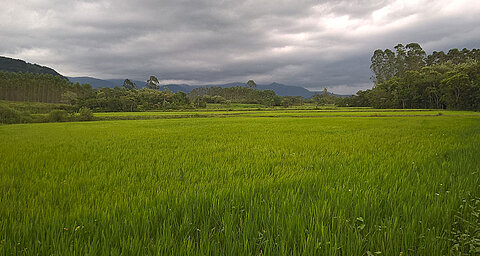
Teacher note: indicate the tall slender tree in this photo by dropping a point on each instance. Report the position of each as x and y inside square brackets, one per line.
[129, 85]
[152, 83]
[251, 84]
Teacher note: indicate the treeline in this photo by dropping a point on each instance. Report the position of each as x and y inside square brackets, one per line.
[29, 87]
[38, 87]
[407, 77]
[123, 99]
[246, 95]
[237, 94]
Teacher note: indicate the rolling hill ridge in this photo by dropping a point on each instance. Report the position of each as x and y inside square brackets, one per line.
[17, 65]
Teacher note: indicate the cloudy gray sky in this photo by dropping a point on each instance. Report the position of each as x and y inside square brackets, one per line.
[314, 44]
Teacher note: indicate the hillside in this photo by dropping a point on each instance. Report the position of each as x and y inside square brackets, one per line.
[94, 82]
[16, 65]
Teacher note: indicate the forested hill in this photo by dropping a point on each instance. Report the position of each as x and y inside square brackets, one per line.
[15, 65]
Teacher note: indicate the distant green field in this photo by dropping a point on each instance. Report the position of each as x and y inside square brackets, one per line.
[246, 185]
[340, 112]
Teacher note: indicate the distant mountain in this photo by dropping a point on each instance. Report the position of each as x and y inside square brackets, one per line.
[279, 89]
[96, 83]
[286, 90]
[16, 65]
[119, 82]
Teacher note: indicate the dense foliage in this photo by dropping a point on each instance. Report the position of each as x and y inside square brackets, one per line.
[405, 77]
[36, 107]
[29, 87]
[39, 88]
[9, 115]
[122, 99]
[236, 94]
[408, 78]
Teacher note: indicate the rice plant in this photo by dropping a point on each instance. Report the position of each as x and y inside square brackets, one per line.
[241, 186]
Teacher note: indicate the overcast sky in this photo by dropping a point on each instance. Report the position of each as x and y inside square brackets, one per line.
[314, 44]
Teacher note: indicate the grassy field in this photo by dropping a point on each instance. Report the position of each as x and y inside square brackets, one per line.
[340, 112]
[248, 185]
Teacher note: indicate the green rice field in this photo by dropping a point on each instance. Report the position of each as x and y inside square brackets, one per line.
[337, 112]
[333, 182]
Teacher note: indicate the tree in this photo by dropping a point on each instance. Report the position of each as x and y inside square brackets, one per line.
[180, 98]
[381, 96]
[455, 56]
[251, 84]
[85, 114]
[400, 59]
[152, 83]
[431, 79]
[167, 94]
[129, 85]
[415, 59]
[317, 99]
[383, 65]
[324, 98]
[438, 80]
[389, 65]
[436, 58]
[411, 89]
[377, 66]
[69, 97]
[458, 91]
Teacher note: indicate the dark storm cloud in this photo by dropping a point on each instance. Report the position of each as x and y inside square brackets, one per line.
[314, 44]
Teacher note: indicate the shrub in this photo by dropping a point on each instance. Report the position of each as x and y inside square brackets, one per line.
[58, 115]
[200, 102]
[85, 114]
[12, 116]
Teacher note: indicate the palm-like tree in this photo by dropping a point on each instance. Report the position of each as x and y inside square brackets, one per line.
[152, 83]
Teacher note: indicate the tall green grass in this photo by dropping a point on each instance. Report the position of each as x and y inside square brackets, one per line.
[238, 186]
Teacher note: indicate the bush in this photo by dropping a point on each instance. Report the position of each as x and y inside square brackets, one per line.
[217, 99]
[12, 116]
[85, 114]
[58, 115]
[35, 107]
